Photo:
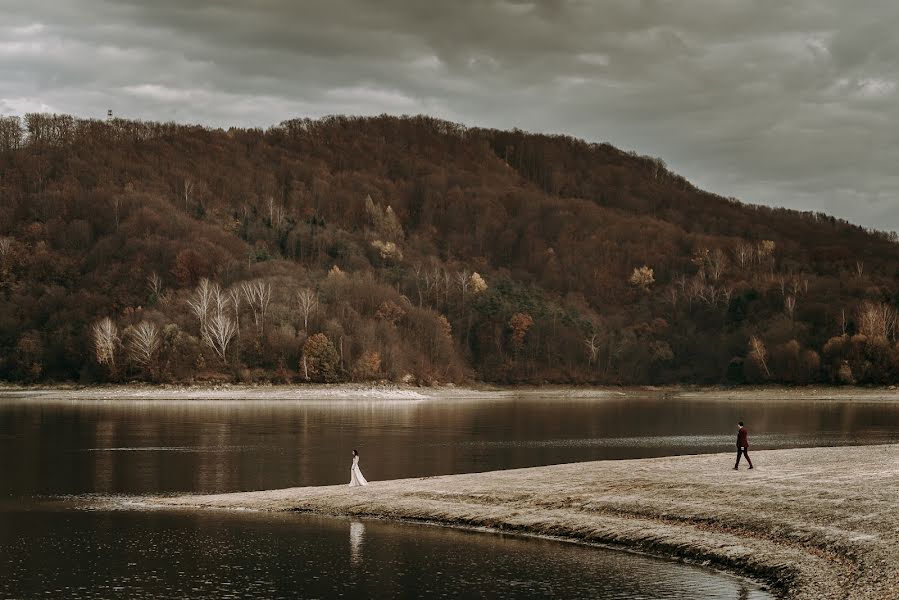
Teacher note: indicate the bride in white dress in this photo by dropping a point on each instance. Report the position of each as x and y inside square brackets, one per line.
[356, 477]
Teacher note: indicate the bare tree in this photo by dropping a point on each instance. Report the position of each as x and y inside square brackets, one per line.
[447, 284]
[759, 354]
[258, 295]
[877, 321]
[697, 288]
[727, 293]
[859, 268]
[12, 135]
[106, 341]
[154, 284]
[421, 277]
[743, 254]
[235, 296]
[246, 288]
[143, 342]
[219, 299]
[188, 192]
[431, 283]
[219, 332]
[657, 167]
[201, 302]
[275, 214]
[463, 282]
[308, 301]
[790, 306]
[717, 263]
[671, 296]
[263, 299]
[438, 280]
[592, 344]
[700, 288]
[764, 250]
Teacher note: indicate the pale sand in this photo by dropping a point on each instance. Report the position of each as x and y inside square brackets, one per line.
[814, 523]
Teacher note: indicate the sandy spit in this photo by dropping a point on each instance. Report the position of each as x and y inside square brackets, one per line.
[815, 523]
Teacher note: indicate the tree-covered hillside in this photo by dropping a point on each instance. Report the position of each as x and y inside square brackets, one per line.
[413, 249]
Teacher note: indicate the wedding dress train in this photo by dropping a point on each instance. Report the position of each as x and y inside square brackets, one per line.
[356, 477]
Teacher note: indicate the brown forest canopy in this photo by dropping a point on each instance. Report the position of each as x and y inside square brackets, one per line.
[413, 249]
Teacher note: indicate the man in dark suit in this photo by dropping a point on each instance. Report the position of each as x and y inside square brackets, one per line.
[742, 445]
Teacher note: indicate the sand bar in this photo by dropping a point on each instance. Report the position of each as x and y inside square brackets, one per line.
[812, 523]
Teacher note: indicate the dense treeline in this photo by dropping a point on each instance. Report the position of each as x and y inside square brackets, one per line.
[413, 249]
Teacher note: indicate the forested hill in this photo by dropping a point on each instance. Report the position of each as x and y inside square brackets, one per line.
[413, 249]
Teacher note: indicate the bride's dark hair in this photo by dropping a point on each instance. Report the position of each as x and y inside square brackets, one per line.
[355, 453]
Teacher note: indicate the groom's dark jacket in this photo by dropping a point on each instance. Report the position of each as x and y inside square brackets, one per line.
[742, 438]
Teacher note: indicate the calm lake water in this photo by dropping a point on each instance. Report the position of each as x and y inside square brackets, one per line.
[53, 548]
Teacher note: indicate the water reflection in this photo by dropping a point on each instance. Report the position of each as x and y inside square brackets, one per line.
[165, 554]
[357, 536]
[104, 465]
[53, 447]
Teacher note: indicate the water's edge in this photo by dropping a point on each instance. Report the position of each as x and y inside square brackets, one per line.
[775, 586]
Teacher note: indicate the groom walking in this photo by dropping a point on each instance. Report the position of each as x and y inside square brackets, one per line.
[742, 445]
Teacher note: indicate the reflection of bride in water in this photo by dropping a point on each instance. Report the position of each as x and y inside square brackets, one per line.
[357, 535]
[356, 477]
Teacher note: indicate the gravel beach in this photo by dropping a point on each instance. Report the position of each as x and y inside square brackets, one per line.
[812, 523]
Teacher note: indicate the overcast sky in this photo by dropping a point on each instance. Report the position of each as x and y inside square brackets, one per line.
[789, 103]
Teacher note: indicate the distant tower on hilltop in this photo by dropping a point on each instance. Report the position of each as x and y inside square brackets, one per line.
[109, 114]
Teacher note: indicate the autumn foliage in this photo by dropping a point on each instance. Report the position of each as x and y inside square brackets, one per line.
[319, 361]
[412, 249]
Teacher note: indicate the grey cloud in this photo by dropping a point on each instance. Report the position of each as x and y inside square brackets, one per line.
[788, 102]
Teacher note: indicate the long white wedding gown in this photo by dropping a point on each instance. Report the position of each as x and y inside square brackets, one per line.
[356, 477]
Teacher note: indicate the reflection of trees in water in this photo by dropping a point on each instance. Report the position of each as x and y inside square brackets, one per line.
[217, 446]
[357, 536]
[104, 462]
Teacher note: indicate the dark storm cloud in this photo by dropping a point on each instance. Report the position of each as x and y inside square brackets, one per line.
[780, 102]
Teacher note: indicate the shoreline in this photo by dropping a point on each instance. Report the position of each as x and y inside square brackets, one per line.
[809, 523]
[360, 391]
[753, 579]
